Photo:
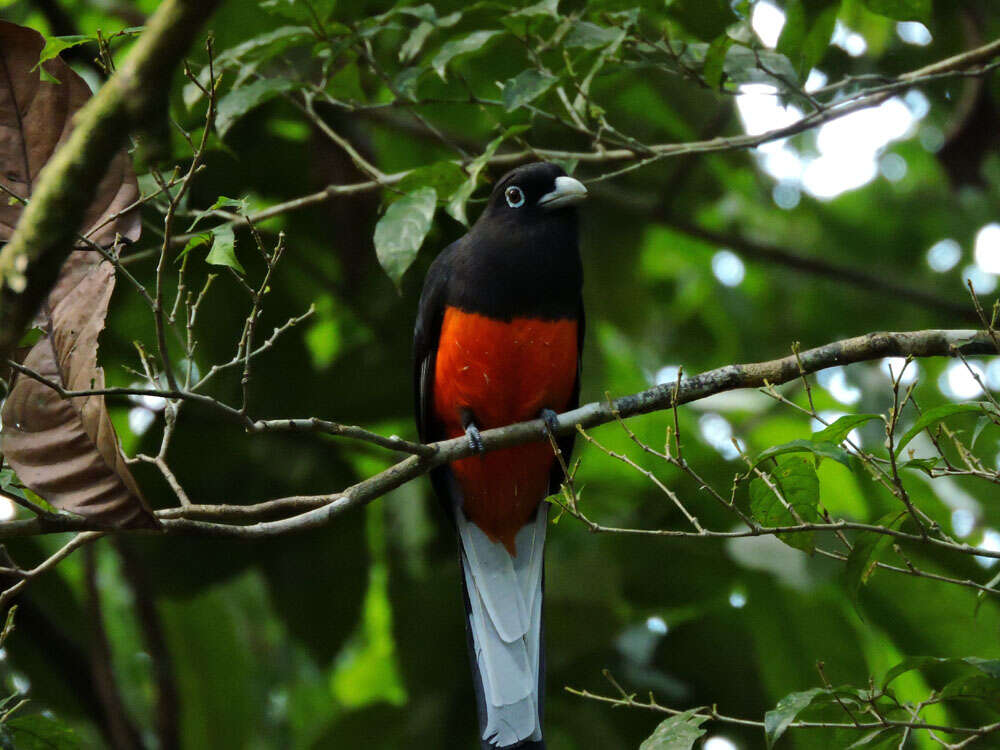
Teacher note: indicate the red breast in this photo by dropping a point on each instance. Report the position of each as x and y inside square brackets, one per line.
[503, 372]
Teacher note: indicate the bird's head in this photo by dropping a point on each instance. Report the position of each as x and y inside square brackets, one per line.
[534, 191]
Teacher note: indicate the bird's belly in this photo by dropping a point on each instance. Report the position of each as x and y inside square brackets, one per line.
[502, 372]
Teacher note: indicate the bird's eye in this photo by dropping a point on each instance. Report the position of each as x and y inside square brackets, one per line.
[515, 196]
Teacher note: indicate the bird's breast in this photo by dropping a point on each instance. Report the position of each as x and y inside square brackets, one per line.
[501, 372]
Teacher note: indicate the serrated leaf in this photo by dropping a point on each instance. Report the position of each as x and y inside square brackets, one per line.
[837, 432]
[457, 47]
[401, 231]
[591, 36]
[679, 732]
[933, 416]
[821, 449]
[776, 720]
[223, 250]
[525, 87]
[239, 204]
[56, 44]
[796, 480]
[239, 101]
[901, 10]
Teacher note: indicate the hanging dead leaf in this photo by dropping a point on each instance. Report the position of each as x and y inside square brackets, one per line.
[36, 116]
[66, 450]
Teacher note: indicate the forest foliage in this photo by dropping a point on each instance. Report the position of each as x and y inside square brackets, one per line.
[315, 157]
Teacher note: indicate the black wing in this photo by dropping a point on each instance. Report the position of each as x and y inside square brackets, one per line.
[566, 443]
[426, 333]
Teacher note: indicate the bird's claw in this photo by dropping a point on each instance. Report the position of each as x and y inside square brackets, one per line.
[551, 420]
[475, 439]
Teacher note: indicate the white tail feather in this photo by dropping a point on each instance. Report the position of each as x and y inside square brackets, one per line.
[505, 597]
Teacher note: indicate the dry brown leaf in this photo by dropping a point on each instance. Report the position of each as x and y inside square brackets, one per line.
[66, 450]
[35, 118]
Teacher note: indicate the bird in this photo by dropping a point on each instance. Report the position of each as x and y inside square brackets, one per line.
[498, 340]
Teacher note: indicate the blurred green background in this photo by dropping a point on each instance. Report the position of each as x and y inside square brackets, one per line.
[352, 635]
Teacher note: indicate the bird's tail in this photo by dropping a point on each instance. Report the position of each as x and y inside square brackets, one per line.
[503, 602]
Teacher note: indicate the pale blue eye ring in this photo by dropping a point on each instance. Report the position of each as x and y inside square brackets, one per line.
[515, 196]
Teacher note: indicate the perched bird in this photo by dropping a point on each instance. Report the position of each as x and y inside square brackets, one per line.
[498, 338]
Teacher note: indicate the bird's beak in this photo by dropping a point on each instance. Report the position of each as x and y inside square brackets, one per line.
[568, 192]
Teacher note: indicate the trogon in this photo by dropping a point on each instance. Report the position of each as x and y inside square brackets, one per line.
[498, 339]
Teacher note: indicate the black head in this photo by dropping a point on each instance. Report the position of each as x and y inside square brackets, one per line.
[534, 191]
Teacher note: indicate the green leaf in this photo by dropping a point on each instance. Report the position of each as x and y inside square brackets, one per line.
[981, 595]
[981, 424]
[299, 10]
[741, 64]
[973, 687]
[817, 448]
[56, 44]
[921, 464]
[458, 199]
[450, 50]
[837, 432]
[520, 20]
[401, 231]
[868, 546]
[525, 87]
[415, 41]
[542, 8]
[424, 12]
[591, 36]
[880, 739]
[806, 34]
[706, 19]
[679, 732]
[901, 10]
[933, 416]
[223, 252]
[715, 60]
[444, 176]
[990, 667]
[776, 720]
[8, 483]
[37, 732]
[798, 484]
[238, 102]
[240, 204]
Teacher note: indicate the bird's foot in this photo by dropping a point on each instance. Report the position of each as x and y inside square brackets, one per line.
[551, 420]
[475, 439]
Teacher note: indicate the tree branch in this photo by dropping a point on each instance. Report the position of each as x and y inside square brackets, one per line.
[320, 510]
[974, 62]
[133, 98]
